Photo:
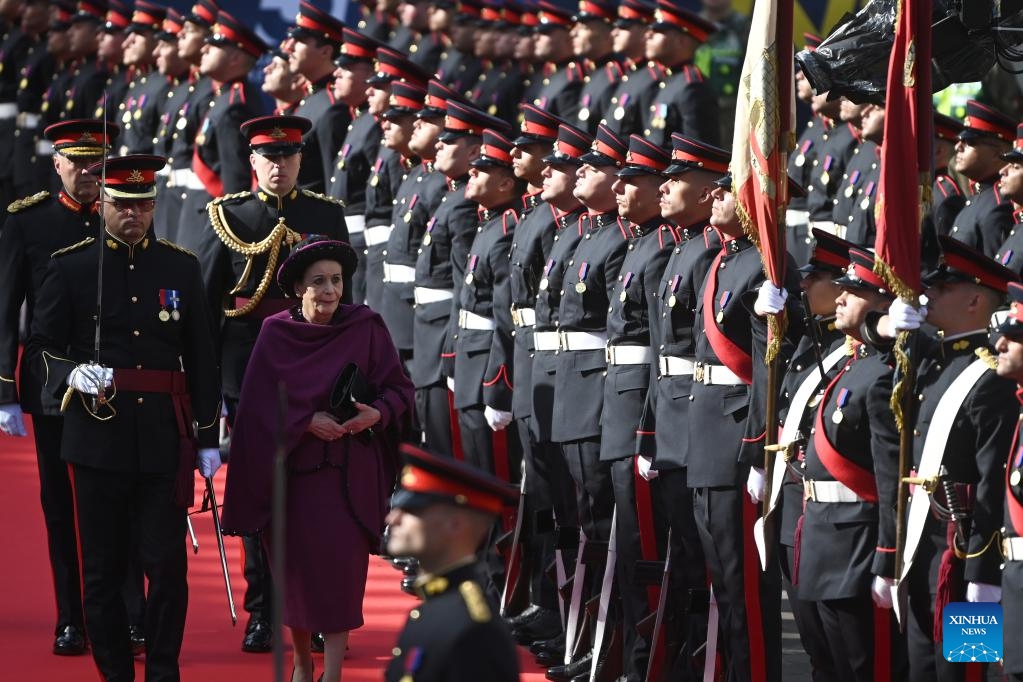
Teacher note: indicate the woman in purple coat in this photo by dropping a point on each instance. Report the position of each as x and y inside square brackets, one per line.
[339, 473]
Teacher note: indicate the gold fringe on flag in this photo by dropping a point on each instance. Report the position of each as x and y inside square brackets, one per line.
[776, 324]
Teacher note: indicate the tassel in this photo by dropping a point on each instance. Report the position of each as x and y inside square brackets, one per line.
[947, 583]
[797, 540]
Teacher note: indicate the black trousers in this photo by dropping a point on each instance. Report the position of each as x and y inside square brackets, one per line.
[593, 489]
[851, 629]
[808, 621]
[748, 599]
[358, 242]
[107, 502]
[480, 444]
[434, 412]
[1012, 607]
[538, 522]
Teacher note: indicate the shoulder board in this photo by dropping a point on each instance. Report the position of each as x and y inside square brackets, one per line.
[229, 197]
[74, 247]
[987, 356]
[475, 603]
[176, 247]
[693, 74]
[22, 204]
[322, 197]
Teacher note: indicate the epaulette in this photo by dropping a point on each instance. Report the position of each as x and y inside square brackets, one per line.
[475, 604]
[947, 185]
[504, 219]
[178, 247]
[693, 74]
[74, 247]
[229, 197]
[987, 356]
[22, 204]
[323, 197]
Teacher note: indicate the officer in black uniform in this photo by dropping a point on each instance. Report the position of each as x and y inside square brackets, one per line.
[25, 252]
[28, 172]
[502, 84]
[14, 48]
[129, 404]
[686, 103]
[853, 212]
[635, 93]
[248, 235]
[110, 56]
[356, 157]
[560, 77]
[593, 44]
[313, 44]
[947, 197]
[986, 218]
[963, 428]
[440, 270]
[139, 111]
[88, 79]
[441, 514]
[1010, 186]
[459, 68]
[483, 341]
[801, 161]
[1010, 366]
[840, 140]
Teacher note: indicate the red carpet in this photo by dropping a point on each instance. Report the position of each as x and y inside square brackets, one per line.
[211, 648]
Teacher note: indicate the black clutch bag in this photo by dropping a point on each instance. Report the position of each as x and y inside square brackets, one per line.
[350, 387]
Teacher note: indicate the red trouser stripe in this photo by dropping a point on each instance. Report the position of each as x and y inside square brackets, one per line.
[882, 645]
[456, 431]
[751, 581]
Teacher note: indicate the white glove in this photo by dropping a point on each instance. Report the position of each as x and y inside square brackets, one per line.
[770, 300]
[902, 317]
[208, 461]
[881, 591]
[983, 592]
[756, 485]
[643, 465]
[497, 419]
[11, 421]
[90, 378]
[451, 384]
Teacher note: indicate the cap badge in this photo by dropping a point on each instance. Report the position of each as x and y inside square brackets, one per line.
[87, 137]
[136, 177]
[277, 133]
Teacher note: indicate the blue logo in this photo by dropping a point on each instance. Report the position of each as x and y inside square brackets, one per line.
[972, 632]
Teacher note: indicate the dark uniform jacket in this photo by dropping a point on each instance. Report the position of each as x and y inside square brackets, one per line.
[687, 104]
[483, 358]
[384, 179]
[454, 635]
[836, 151]
[233, 224]
[500, 88]
[143, 434]
[599, 84]
[632, 99]
[35, 227]
[1012, 571]
[947, 199]
[85, 89]
[570, 230]
[985, 220]
[854, 201]
[426, 50]
[140, 113]
[559, 87]
[632, 311]
[330, 125]
[663, 432]
[221, 157]
[459, 70]
[441, 261]
[416, 201]
[867, 442]
[30, 172]
[354, 162]
[806, 157]
[1010, 253]
[14, 48]
[589, 283]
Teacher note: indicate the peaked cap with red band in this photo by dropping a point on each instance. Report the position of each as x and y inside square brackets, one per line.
[688, 154]
[607, 149]
[438, 96]
[60, 15]
[357, 47]
[490, 13]
[148, 16]
[570, 147]
[171, 26]
[644, 158]
[468, 12]
[1016, 153]
[984, 121]
[281, 134]
[430, 479]
[529, 19]
[1012, 324]
[90, 10]
[632, 12]
[118, 17]
[551, 17]
[81, 137]
[829, 254]
[859, 274]
[229, 32]
[670, 15]
[494, 152]
[129, 177]
[203, 13]
[313, 22]
[946, 127]
[463, 120]
[392, 66]
[512, 15]
[962, 263]
[601, 10]
[406, 99]
[537, 125]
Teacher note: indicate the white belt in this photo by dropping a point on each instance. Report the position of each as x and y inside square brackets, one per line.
[673, 366]
[829, 227]
[794, 217]
[44, 148]
[355, 223]
[546, 341]
[523, 317]
[469, 320]
[582, 341]
[8, 110]
[399, 274]
[185, 177]
[27, 119]
[427, 295]
[1012, 549]
[829, 491]
[715, 375]
[628, 355]
[378, 234]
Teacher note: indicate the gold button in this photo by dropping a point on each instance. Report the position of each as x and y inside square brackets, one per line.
[131, 267]
[414, 614]
[134, 299]
[138, 366]
[135, 332]
[141, 400]
[396, 651]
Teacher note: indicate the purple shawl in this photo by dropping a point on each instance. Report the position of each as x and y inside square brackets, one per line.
[307, 358]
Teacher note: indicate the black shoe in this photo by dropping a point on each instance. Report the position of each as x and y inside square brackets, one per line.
[70, 641]
[138, 640]
[528, 614]
[317, 643]
[543, 625]
[259, 636]
[552, 644]
[572, 670]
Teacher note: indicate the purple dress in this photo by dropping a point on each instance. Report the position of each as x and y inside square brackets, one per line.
[337, 492]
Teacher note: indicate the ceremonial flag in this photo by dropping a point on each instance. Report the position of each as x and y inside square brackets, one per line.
[764, 122]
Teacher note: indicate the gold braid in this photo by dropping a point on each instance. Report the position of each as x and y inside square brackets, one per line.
[280, 235]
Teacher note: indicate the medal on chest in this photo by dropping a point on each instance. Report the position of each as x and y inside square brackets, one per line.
[843, 399]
